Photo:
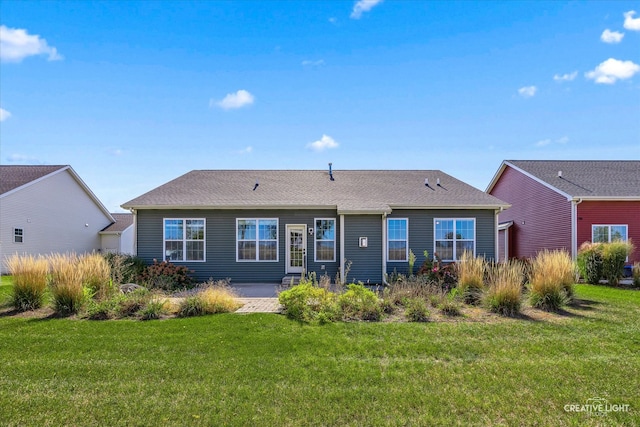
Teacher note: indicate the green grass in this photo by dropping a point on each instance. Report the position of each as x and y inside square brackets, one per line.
[264, 369]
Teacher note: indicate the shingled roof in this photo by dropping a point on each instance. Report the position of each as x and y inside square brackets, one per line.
[121, 223]
[352, 191]
[587, 179]
[15, 176]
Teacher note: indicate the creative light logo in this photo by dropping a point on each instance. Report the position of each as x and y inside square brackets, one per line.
[596, 407]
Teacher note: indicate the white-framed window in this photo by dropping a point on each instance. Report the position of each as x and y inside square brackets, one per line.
[257, 239]
[184, 239]
[604, 233]
[454, 236]
[397, 239]
[18, 235]
[325, 239]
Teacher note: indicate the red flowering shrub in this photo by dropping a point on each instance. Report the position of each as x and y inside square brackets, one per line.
[166, 276]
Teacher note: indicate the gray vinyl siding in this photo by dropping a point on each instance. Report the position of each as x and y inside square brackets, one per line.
[220, 242]
[366, 263]
[421, 232]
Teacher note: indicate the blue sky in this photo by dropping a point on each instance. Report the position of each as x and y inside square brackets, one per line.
[134, 94]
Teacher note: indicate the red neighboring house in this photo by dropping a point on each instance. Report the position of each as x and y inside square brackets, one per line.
[561, 204]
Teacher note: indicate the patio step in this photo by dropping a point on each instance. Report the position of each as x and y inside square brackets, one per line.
[291, 279]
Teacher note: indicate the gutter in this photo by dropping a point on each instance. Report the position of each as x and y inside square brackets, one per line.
[574, 227]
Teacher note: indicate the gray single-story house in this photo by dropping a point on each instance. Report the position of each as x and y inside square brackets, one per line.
[265, 225]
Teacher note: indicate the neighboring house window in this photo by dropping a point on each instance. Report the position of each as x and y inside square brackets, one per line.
[257, 239]
[325, 235]
[397, 239]
[608, 233]
[18, 235]
[184, 239]
[453, 237]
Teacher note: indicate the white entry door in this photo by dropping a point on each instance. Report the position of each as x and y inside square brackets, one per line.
[296, 248]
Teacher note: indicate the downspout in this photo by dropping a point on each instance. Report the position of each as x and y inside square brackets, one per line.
[496, 256]
[135, 231]
[384, 249]
[574, 227]
[342, 259]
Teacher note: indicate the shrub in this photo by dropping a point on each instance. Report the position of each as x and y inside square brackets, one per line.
[154, 309]
[504, 295]
[416, 310]
[589, 261]
[96, 275]
[124, 268]
[552, 277]
[130, 304]
[66, 284]
[103, 309]
[166, 276]
[305, 303]
[29, 281]
[471, 271]
[360, 303]
[636, 274]
[614, 256]
[401, 288]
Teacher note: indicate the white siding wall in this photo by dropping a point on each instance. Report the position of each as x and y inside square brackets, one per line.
[56, 214]
[122, 243]
[126, 241]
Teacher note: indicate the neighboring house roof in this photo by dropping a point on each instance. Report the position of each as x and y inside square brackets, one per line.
[581, 179]
[14, 178]
[352, 191]
[122, 222]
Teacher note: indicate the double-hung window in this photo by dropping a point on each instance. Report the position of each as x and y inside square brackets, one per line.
[453, 237]
[257, 239]
[184, 239]
[325, 238]
[18, 235]
[397, 239]
[608, 233]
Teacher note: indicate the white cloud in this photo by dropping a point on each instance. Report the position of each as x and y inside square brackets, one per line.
[363, 6]
[317, 63]
[612, 70]
[565, 77]
[21, 158]
[544, 142]
[116, 152]
[612, 37]
[323, 143]
[527, 91]
[630, 23]
[4, 114]
[234, 100]
[333, 20]
[562, 140]
[16, 44]
[246, 150]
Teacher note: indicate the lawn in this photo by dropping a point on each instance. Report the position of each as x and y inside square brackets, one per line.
[263, 369]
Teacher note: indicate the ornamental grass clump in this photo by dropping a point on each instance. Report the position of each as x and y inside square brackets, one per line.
[552, 278]
[416, 310]
[29, 281]
[212, 299]
[589, 262]
[504, 294]
[614, 256]
[96, 275]
[635, 272]
[66, 284]
[471, 271]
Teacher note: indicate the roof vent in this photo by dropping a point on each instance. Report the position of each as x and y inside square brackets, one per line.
[426, 182]
[331, 172]
[559, 174]
[438, 182]
[256, 186]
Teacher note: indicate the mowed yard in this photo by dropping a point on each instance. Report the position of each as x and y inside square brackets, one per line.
[263, 369]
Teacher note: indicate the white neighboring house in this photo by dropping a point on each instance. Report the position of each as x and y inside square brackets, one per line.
[118, 237]
[48, 209]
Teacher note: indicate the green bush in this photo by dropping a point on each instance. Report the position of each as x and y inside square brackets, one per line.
[306, 303]
[166, 276]
[154, 309]
[102, 309]
[124, 268]
[360, 303]
[416, 310]
[130, 304]
[450, 305]
[614, 256]
[589, 261]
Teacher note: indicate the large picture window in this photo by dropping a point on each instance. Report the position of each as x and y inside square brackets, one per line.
[325, 238]
[397, 239]
[453, 237]
[257, 239]
[184, 239]
[608, 233]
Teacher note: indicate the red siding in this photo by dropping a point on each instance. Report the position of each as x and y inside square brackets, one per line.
[610, 213]
[541, 217]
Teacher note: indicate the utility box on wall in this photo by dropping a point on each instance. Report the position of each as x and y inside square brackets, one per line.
[363, 242]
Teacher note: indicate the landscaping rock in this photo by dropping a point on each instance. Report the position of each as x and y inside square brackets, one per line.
[129, 287]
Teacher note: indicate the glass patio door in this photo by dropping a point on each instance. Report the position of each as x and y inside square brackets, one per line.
[296, 248]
